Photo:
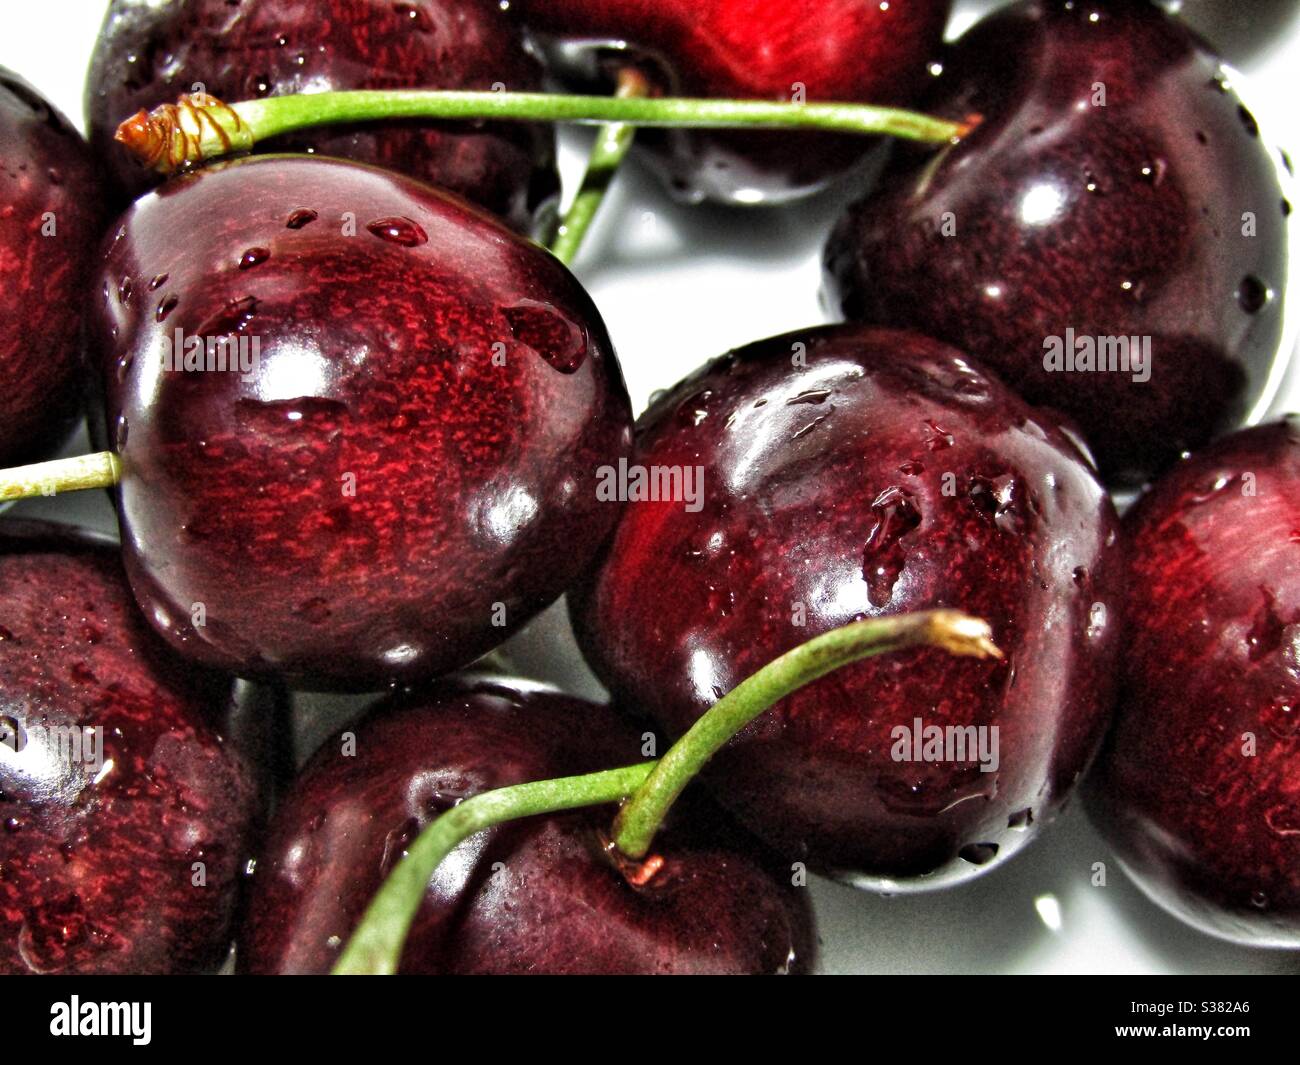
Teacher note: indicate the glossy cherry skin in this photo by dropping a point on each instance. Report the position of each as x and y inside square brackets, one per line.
[407, 474]
[49, 226]
[1198, 786]
[1055, 214]
[100, 862]
[149, 54]
[533, 896]
[888, 475]
[752, 49]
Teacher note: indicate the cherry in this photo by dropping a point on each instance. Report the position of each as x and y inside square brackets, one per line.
[49, 223]
[1196, 788]
[852, 472]
[1158, 215]
[120, 849]
[533, 896]
[148, 54]
[764, 49]
[408, 470]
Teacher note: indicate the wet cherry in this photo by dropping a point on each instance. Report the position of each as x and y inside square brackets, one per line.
[847, 473]
[149, 54]
[843, 50]
[124, 816]
[49, 225]
[374, 453]
[533, 896]
[1117, 192]
[1197, 786]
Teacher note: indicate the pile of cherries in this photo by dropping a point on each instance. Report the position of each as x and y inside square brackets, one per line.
[410, 470]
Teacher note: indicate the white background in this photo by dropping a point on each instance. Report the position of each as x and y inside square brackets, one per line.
[679, 285]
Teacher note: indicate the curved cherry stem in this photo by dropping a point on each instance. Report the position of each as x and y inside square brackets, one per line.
[613, 142]
[650, 788]
[375, 948]
[199, 126]
[957, 633]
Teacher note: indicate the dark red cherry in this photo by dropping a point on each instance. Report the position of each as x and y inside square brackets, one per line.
[1198, 787]
[853, 473]
[407, 470]
[49, 225]
[533, 896]
[149, 54]
[848, 50]
[1117, 188]
[124, 816]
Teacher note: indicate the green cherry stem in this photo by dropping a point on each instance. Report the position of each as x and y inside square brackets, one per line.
[613, 142]
[376, 946]
[199, 126]
[957, 633]
[650, 788]
[102, 469]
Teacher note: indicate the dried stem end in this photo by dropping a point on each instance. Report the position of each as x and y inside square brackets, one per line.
[175, 136]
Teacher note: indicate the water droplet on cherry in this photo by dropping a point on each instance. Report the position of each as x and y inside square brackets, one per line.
[885, 556]
[556, 338]
[978, 853]
[1252, 294]
[400, 231]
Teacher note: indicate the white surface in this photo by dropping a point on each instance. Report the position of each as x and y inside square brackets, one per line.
[679, 285]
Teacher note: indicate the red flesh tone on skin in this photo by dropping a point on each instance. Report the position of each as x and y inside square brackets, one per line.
[49, 227]
[847, 50]
[149, 54]
[410, 472]
[1117, 221]
[1208, 832]
[889, 475]
[97, 868]
[531, 896]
